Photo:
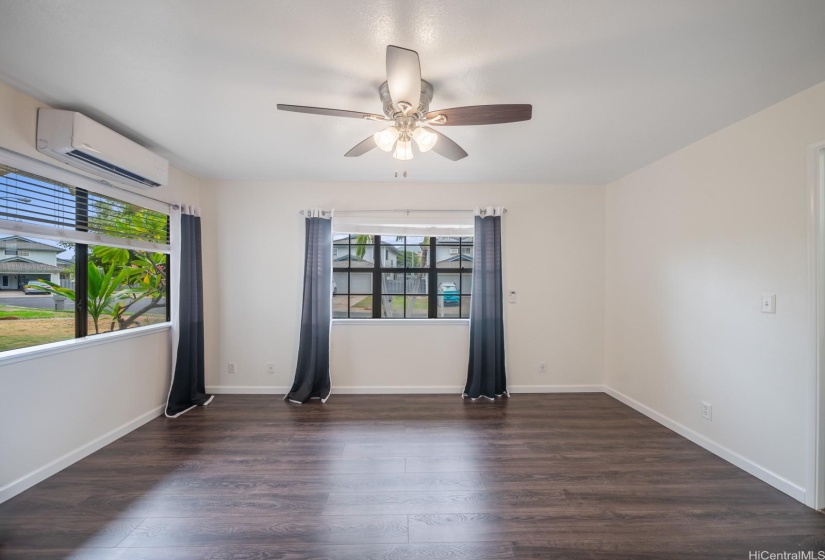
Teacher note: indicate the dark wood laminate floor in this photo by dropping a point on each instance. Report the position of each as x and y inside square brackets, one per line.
[405, 477]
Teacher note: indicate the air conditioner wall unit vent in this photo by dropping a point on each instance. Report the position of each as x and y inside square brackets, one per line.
[81, 142]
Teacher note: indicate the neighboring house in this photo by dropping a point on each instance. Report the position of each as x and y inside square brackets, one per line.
[23, 260]
[447, 256]
[66, 267]
[390, 256]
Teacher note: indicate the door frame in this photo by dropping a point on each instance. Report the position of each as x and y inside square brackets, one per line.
[815, 437]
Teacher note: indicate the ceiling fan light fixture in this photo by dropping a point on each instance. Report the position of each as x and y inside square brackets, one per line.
[405, 99]
[403, 150]
[425, 139]
[385, 139]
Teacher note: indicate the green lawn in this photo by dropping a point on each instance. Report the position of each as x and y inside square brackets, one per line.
[29, 313]
[32, 327]
[421, 304]
[13, 342]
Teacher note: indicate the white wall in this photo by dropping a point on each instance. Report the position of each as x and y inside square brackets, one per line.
[55, 405]
[693, 240]
[554, 259]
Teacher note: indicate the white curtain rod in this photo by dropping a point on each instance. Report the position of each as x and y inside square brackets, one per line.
[407, 210]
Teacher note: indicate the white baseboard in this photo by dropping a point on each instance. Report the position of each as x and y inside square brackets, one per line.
[246, 390]
[398, 389]
[28, 480]
[336, 390]
[556, 388]
[732, 457]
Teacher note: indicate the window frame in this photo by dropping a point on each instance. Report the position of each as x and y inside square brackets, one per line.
[79, 185]
[378, 270]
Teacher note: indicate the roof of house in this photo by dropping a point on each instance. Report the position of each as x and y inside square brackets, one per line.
[18, 265]
[453, 258]
[341, 243]
[17, 242]
[355, 262]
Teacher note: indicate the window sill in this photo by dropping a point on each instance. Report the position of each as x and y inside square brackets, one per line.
[34, 352]
[408, 322]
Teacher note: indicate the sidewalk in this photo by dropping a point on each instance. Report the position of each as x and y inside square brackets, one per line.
[20, 294]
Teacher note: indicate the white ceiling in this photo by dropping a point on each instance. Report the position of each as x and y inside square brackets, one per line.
[614, 84]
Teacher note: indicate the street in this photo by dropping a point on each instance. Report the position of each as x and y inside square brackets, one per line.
[17, 298]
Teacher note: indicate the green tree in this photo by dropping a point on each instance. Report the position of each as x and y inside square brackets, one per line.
[145, 275]
[361, 248]
[145, 272]
[120, 278]
[103, 295]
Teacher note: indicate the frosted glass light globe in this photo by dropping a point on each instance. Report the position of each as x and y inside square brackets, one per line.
[403, 150]
[425, 139]
[385, 139]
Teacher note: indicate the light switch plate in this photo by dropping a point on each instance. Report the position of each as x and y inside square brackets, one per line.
[768, 303]
[512, 296]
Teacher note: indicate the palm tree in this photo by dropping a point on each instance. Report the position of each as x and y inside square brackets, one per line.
[103, 294]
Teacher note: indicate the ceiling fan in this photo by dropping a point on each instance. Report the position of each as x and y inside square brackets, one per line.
[406, 98]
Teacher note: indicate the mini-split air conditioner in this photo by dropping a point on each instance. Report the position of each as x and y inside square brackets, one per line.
[79, 141]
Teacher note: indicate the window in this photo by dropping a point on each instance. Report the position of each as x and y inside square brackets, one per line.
[108, 272]
[401, 277]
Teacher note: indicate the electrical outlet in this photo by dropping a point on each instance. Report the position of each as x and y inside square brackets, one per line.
[270, 368]
[768, 303]
[231, 368]
[707, 410]
[542, 367]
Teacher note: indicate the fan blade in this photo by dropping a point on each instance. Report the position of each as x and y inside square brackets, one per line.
[363, 148]
[329, 112]
[484, 114]
[403, 76]
[447, 148]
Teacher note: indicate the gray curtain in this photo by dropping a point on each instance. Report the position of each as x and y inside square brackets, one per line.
[486, 376]
[312, 371]
[187, 389]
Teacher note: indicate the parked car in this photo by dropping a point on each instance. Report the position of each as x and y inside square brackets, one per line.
[31, 289]
[450, 292]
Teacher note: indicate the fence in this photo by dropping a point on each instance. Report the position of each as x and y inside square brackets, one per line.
[416, 285]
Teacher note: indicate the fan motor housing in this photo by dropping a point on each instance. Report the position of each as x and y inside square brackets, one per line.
[423, 103]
